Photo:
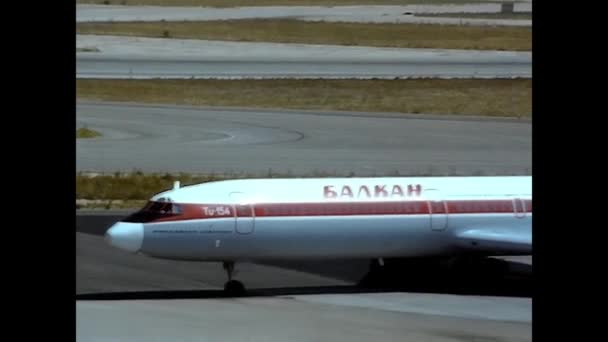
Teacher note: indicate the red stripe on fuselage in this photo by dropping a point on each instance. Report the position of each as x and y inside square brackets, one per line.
[207, 211]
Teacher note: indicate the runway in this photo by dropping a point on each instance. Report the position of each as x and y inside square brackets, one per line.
[92, 66]
[169, 300]
[360, 14]
[163, 138]
[285, 318]
[136, 57]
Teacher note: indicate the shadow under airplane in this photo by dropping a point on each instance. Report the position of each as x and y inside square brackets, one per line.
[516, 282]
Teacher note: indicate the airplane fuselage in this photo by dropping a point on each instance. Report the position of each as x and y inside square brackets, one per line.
[329, 218]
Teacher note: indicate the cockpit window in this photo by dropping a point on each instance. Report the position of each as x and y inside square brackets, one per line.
[155, 210]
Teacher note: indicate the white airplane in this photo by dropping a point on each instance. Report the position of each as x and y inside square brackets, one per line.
[332, 218]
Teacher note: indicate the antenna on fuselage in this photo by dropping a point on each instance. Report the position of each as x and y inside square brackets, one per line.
[175, 185]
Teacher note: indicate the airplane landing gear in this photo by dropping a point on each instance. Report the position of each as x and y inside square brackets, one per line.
[397, 272]
[232, 287]
[483, 267]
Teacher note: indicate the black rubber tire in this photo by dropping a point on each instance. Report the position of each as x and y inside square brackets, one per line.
[234, 288]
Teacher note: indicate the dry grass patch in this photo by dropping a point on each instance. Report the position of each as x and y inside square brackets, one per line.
[359, 34]
[491, 97]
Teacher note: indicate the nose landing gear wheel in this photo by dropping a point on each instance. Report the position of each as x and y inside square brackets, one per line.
[232, 287]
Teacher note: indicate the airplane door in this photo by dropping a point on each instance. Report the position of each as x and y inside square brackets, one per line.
[519, 208]
[438, 209]
[245, 219]
[244, 214]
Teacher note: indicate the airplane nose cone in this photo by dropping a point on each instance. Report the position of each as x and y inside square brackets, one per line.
[126, 236]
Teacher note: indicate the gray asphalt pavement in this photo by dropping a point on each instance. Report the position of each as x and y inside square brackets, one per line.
[364, 14]
[291, 318]
[136, 57]
[136, 68]
[158, 138]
